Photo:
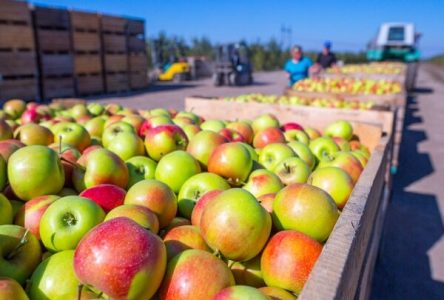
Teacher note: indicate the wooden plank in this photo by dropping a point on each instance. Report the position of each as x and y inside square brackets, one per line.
[117, 83]
[26, 89]
[16, 37]
[136, 43]
[16, 11]
[116, 63]
[111, 24]
[86, 41]
[58, 87]
[138, 80]
[87, 63]
[54, 40]
[17, 63]
[90, 85]
[51, 17]
[84, 21]
[56, 64]
[68, 102]
[138, 62]
[114, 43]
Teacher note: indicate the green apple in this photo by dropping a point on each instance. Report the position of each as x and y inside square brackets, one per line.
[191, 130]
[6, 214]
[240, 292]
[160, 112]
[79, 110]
[277, 293]
[346, 161]
[342, 129]
[212, 125]
[164, 139]
[34, 134]
[253, 153]
[296, 136]
[11, 289]
[35, 171]
[140, 168]
[323, 147]
[5, 131]
[292, 170]
[67, 220]
[72, 134]
[95, 109]
[14, 107]
[263, 122]
[197, 186]
[303, 152]
[95, 127]
[203, 144]
[138, 213]
[110, 132]
[127, 145]
[248, 272]
[168, 166]
[263, 182]
[190, 115]
[272, 154]
[20, 252]
[3, 173]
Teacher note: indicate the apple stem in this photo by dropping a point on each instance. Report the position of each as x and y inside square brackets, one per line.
[79, 291]
[60, 144]
[19, 246]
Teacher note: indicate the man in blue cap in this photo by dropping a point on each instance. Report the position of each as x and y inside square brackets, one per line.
[298, 66]
[326, 59]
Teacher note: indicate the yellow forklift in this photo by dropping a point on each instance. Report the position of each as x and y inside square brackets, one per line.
[168, 67]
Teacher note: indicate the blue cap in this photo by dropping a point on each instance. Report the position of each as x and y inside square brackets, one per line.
[327, 44]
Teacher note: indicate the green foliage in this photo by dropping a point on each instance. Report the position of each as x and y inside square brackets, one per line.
[438, 59]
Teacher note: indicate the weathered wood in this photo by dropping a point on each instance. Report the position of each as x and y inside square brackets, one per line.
[58, 87]
[111, 24]
[88, 63]
[138, 62]
[26, 89]
[68, 102]
[116, 63]
[86, 42]
[56, 64]
[136, 27]
[114, 43]
[16, 37]
[18, 63]
[54, 40]
[84, 21]
[136, 44]
[15, 11]
[90, 85]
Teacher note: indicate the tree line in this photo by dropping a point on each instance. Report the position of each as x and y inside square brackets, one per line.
[265, 56]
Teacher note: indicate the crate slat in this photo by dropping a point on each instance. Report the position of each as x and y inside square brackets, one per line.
[86, 41]
[114, 43]
[58, 87]
[136, 43]
[56, 64]
[26, 89]
[116, 63]
[18, 63]
[87, 63]
[16, 37]
[84, 21]
[16, 11]
[138, 62]
[116, 83]
[138, 80]
[90, 85]
[136, 27]
[111, 24]
[54, 40]
[51, 17]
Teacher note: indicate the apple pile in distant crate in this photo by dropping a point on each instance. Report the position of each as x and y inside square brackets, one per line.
[103, 202]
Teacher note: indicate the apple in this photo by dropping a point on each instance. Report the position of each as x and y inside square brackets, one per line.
[107, 196]
[312, 133]
[267, 201]
[305, 208]
[21, 252]
[6, 215]
[12, 124]
[277, 293]
[288, 259]
[191, 130]
[323, 147]
[34, 134]
[164, 139]
[95, 109]
[113, 130]
[248, 272]
[67, 192]
[14, 107]
[67, 220]
[139, 214]
[5, 131]
[140, 168]
[268, 136]
[296, 135]
[11, 289]
[272, 154]
[30, 214]
[361, 156]
[213, 125]
[335, 181]
[168, 166]
[356, 145]
[95, 127]
[240, 292]
[292, 170]
[160, 112]
[35, 171]
[72, 134]
[8, 147]
[135, 120]
[292, 126]
[98, 167]
[189, 115]
[113, 119]
[155, 195]
[3, 175]
[30, 116]
[188, 273]
[254, 155]
[232, 135]
[197, 186]
[79, 110]
[341, 129]
[303, 152]
[153, 122]
[202, 145]
[176, 222]
[183, 121]
[244, 129]
[263, 122]
[200, 206]
[237, 229]
[263, 182]
[135, 273]
[182, 238]
[346, 161]
[231, 161]
[127, 145]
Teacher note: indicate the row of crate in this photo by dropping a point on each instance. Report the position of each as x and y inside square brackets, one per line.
[47, 52]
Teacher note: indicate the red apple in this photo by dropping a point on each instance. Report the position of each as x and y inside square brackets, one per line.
[244, 129]
[131, 261]
[8, 147]
[200, 206]
[182, 238]
[263, 182]
[346, 161]
[30, 116]
[139, 214]
[267, 201]
[164, 139]
[175, 222]
[202, 145]
[291, 126]
[231, 135]
[11, 289]
[107, 196]
[268, 136]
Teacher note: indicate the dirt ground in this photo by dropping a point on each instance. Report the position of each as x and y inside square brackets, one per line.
[411, 260]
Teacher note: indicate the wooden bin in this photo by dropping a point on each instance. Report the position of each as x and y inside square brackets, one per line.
[345, 267]
[117, 82]
[18, 62]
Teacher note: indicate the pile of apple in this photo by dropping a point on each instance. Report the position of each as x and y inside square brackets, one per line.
[102, 202]
[351, 86]
[373, 68]
[303, 101]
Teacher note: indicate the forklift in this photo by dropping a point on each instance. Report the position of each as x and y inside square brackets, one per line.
[397, 42]
[232, 65]
[168, 67]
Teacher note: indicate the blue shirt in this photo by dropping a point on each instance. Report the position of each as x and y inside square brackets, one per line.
[298, 70]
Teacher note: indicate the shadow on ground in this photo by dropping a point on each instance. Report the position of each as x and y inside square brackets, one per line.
[412, 226]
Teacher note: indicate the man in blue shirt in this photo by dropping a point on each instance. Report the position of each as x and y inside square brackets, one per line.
[298, 66]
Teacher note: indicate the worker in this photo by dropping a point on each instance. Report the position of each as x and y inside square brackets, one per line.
[326, 59]
[298, 66]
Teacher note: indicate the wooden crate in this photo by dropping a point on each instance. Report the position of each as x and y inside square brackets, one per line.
[89, 85]
[68, 102]
[138, 62]
[54, 87]
[88, 64]
[53, 41]
[348, 257]
[116, 82]
[136, 44]
[113, 43]
[15, 11]
[51, 18]
[83, 21]
[85, 31]
[56, 64]
[138, 80]
[16, 37]
[116, 63]
[136, 27]
[17, 63]
[22, 88]
[113, 25]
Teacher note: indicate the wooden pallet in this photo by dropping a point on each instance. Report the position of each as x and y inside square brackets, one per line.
[116, 82]
[88, 85]
[17, 63]
[62, 86]
[348, 257]
[21, 87]
[53, 41]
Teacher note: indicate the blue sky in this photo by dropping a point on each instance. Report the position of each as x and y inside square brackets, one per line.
[349, 24]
